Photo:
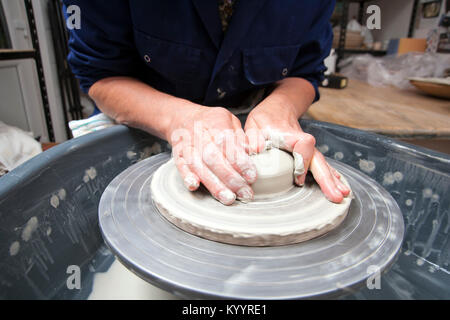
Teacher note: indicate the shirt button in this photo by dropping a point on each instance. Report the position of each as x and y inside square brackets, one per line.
[220, 93]
[284, 72]
[147, 58]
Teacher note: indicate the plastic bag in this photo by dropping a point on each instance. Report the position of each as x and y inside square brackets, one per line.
[354, 25]
[394, 70]
[16, 147]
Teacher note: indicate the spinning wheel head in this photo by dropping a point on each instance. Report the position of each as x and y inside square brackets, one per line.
[179, 262]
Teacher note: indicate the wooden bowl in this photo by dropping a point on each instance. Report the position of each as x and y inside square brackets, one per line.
[440, 90]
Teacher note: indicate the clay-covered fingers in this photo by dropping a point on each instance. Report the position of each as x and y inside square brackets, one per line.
[256, 141]
[233, 143]
[190, 179]
[233, 147]
[214, 158]
[255, 137]
[303, 152]
[333, 189]
[215, 186]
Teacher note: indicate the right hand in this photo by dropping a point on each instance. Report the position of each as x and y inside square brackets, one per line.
[208, 145]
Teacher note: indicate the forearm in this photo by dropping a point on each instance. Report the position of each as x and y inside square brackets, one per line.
[131, 102]
[295, 94]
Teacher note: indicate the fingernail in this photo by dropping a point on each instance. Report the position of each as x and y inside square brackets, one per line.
[245, 194]
[191, 183]
[226, 197]
[300, 181]
[344, 189]
[250, 175]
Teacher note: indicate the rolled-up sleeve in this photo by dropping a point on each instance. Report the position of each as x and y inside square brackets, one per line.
[310, 64]
[103, 46]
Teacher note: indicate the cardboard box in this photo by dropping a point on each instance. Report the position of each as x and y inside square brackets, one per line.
[405, 45]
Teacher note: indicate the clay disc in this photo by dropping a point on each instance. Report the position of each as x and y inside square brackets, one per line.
[300, 214]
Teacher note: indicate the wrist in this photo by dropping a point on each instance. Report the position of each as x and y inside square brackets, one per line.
[280, 105]
[176, 116]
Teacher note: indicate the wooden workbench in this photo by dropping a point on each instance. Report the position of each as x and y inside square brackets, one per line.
[404, 114]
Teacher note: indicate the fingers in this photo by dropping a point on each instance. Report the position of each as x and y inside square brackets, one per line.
[335, 173]
[240, 159]
[220, 166]
[303, 151]
[190, 179]
[232, 142]
[325, 178]
[341, 185]
[214, 185]
[256, 139]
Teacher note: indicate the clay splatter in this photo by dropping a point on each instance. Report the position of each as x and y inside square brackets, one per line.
[398, 176]
[90, 174]
[367, 165]
[390, 178]
[30, 227]
[56, 198]
[131, 154]
[54, 201]
[62, 194]
[323, 148]
[14, 248]
[338, 156]
[427, 193]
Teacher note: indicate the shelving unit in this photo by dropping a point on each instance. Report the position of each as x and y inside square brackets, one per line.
[341, 50]
[11, 54]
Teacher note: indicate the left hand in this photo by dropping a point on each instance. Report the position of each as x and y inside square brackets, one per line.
[278, 122]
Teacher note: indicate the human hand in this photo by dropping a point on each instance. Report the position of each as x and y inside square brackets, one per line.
[208, 145]
[278, 123]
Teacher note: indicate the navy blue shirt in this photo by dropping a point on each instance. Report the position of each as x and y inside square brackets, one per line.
[178, 46]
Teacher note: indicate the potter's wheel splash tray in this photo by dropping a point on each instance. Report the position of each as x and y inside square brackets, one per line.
[365, 243]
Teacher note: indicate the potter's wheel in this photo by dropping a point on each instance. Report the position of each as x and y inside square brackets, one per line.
[187, 265]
